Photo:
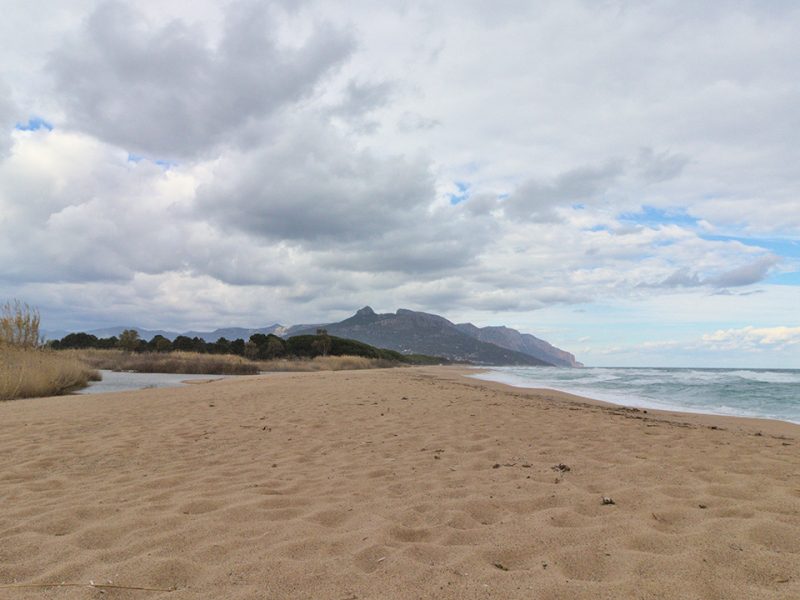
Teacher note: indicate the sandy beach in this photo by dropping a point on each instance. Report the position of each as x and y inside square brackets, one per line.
[398, 483]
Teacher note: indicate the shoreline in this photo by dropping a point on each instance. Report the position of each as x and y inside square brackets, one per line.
[645, 405]
[396, 484]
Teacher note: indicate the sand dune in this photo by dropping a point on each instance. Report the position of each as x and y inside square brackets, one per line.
[401, 483]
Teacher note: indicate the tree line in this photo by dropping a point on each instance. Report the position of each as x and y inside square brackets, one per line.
[258, 347]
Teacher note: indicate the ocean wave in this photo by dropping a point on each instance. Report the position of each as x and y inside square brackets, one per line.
[768, 376]
[732, 392]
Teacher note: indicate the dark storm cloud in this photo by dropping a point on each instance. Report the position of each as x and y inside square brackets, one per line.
[165, 92]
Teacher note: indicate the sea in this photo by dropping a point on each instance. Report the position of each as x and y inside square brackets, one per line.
[757, 393]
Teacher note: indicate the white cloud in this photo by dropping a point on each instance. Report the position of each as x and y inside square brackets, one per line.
[7, 118]
[318, 145]
[753, 338]
[166, 91]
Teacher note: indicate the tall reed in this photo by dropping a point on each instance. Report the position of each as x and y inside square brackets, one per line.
[19, 325]
[165, 362]
[216, 364]
[34, 372]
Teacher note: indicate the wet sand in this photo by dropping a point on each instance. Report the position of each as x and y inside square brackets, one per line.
[399, 483]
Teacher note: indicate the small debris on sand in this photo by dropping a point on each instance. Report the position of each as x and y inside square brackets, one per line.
[606, 500]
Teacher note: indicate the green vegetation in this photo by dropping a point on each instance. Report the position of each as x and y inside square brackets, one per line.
[259, 347]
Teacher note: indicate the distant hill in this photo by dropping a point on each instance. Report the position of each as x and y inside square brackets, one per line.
[409, 332]
[406, 331]
[505, 337]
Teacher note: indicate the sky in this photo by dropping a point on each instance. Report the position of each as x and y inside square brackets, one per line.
[619, 178]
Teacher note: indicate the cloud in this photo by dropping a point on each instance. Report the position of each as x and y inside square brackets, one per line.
[165, 91]
[753, 338]
[308, 187]
[747, 274]
[682, 278]
[537, 201]
[410, 122]
[7, 118]
[656, 167]
[313, 149]
[359, 99]
[61, 197]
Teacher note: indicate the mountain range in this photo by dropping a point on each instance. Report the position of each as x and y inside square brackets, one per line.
[406, 331]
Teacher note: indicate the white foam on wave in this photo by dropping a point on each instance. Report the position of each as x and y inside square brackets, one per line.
[768, 376]
[583, 383]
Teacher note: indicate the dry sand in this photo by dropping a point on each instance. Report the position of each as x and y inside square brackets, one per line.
[401, 483]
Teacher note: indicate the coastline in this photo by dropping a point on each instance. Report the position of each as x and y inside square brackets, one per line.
[396, 483]
[650, 405]
[736, 423]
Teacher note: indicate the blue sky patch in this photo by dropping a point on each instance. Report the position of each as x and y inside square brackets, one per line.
[652, 217]
[164, 164]
[462, 193]
[784, 278]
[34, 124]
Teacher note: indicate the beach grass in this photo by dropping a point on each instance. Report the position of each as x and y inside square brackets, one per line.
[189, 363]
[217, 364]
[35, 372]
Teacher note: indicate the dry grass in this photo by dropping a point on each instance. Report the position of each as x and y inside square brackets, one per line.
[19, 325]
[32, 372]
[216, 364]
[189, 363]
[327, 363]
